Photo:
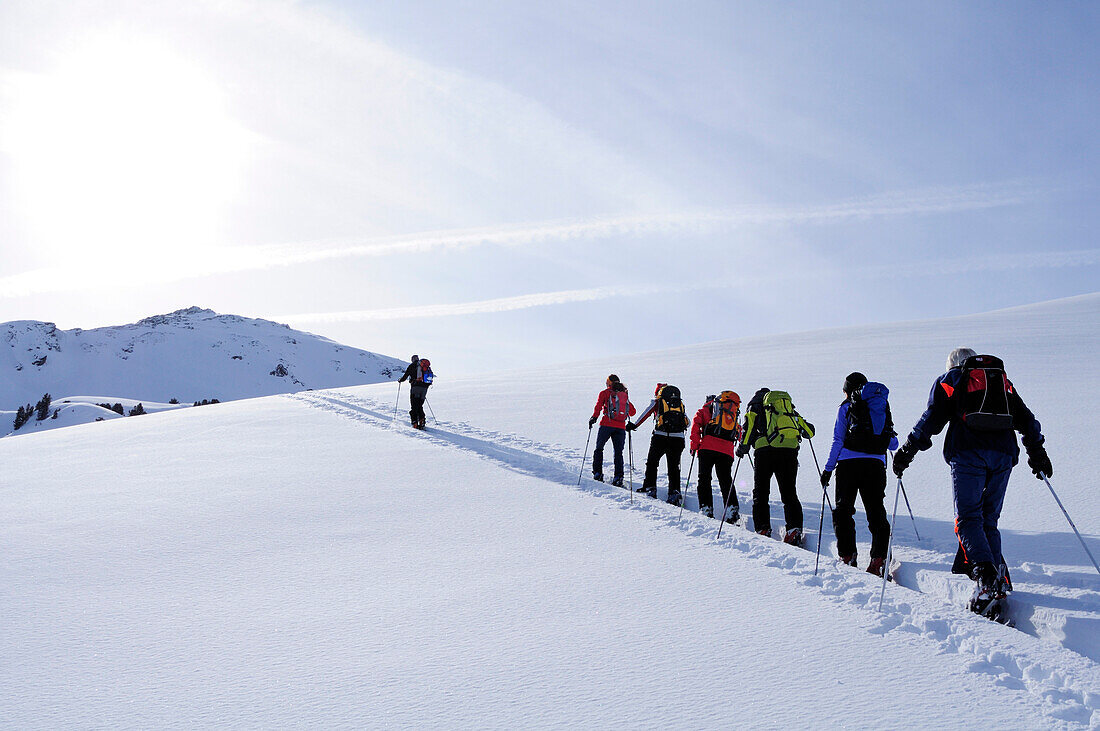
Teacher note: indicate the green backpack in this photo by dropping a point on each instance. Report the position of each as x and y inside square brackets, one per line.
[781, 420]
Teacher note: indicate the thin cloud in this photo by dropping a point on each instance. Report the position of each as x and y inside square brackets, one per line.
[246, 259]
[1047, 260]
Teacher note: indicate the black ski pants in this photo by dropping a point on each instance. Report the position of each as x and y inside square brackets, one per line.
[782, 463]
[617, 435]
[417, 394]
[671, 448]
[867, 478]
[722, 465]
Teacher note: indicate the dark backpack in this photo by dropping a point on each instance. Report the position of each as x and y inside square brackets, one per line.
[671, 417]
[983, 394]
[870, 426]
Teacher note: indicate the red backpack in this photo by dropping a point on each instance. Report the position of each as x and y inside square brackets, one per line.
[617, 407]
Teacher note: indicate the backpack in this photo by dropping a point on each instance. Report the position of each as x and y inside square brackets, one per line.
[424, 372]
[618, 404]
[870, 426]
[671, 417]
[725, 411]
[984, 393]
[781, 420]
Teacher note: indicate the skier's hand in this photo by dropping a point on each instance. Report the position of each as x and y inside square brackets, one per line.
[825, 477]
[808, 431]
[631, 426]
[1039, 462]
[742, 450]
[591, 422]
[903, 457]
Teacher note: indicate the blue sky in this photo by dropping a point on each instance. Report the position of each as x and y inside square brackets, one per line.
[498, 184]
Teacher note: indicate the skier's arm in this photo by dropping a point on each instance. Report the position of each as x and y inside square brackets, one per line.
[750, 428]
[697, 429]
[645, 414]
[1025, 422]
[806, 427]
[839, 429]
[935, 416]
[599, 404]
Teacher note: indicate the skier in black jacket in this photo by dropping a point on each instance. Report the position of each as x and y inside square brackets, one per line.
[419, 375]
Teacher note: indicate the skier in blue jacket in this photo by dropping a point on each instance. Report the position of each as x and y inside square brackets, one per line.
[862, 434]
[981, 455]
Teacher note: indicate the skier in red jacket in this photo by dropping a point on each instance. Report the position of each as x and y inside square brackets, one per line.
[714, 436]
[614, 404]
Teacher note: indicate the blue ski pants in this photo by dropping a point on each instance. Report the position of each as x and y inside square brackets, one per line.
[979, 479]
[618, 438]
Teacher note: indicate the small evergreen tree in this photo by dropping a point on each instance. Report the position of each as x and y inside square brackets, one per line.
[118, 409]
[137, 410]
[55, 413]
[20, 418]
[43, 407]
[173, 400]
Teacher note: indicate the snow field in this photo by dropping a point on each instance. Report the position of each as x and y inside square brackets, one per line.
[262, 563]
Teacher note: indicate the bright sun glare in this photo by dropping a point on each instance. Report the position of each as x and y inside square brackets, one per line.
[123, 152]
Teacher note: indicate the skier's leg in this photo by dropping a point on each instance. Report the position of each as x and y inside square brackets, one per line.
[968, 480]
[786, 476]
[761, 489]
[597, 453]
[653, 461]
[844, 524]
[674, 449]
[872, 489]
[723, 466]
[706, 464]
[618, 439]
[992, 502]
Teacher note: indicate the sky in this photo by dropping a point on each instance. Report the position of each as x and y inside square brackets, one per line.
[498, 184]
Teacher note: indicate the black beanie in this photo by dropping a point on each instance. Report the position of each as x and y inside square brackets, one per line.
[854, 382]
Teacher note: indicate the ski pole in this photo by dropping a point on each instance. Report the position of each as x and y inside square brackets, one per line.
[397, 402]
[1071, 525]
[810, 440]
[821, 526]
[733, 493]
[687, 487]
[630, 443]
[910, 512]
[906, 496]
[889, 546]
[431, 410]
[584, 457]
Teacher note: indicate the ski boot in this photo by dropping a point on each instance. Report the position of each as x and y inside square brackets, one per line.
[675, 498]
[597, 477]
[849, 560]
[876, 567]
[793, 537]
[732, 515]
[617, 481]
[766, 532]
[649, 491]
[706, 510]
[985, 588]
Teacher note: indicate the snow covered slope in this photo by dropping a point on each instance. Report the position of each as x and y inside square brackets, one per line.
[190, 355]
[304, 561]
[1050, 351]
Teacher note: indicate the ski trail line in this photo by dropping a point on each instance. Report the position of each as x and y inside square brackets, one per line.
[1062, 684]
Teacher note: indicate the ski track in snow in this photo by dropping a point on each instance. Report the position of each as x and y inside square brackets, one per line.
[1066, 686]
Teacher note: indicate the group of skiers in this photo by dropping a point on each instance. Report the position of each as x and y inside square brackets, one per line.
[974, 399]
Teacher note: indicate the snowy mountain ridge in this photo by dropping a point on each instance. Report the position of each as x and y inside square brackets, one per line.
[190, 354]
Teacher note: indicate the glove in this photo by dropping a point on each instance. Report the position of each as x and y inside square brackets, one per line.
[631, 426]
[903, 458]
[825, 478]
[809, 431]
[742, 450]
[591, 422]
[1039, 462]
